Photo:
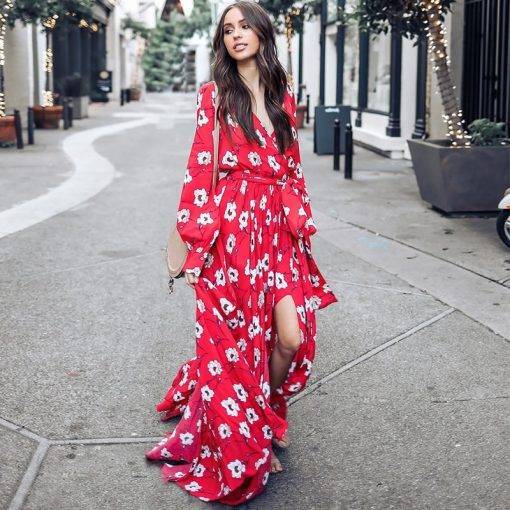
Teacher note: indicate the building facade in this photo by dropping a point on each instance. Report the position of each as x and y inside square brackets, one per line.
[80, 53]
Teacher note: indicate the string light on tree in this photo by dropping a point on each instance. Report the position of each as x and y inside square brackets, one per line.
[49, 25]
[4, 13]
[437, 49]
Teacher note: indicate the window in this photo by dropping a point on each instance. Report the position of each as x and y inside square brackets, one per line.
[379, 68]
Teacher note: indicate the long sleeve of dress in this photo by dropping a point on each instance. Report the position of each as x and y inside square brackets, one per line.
[198, 215]
[304, 217]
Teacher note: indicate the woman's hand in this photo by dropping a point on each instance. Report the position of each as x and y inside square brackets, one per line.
[191, 279]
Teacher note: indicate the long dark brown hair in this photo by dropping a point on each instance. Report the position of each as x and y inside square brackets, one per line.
[234, 95]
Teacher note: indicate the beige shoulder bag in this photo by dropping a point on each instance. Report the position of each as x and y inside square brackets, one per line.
[177, 250]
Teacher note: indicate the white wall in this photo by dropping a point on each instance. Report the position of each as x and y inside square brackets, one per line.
[19, 82]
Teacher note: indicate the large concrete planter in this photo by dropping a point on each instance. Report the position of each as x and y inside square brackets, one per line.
[452, 179]
[47, 117]
[7, 129]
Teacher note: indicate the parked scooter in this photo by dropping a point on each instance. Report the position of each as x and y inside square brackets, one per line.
[503, 223]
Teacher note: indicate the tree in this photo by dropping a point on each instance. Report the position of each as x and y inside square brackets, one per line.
[164, 59]
[412, 19]
[289, 17]
[4, 17]
[49, 13]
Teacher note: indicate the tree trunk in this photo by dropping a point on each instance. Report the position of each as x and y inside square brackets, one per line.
[437, 48]
[289, 33]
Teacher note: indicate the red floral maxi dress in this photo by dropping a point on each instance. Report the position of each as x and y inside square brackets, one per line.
[250, 246]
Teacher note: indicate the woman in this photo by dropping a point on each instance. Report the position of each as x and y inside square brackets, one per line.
[250, 263]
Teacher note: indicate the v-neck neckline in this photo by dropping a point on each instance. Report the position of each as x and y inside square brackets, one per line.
[260, 122]
[263, 127]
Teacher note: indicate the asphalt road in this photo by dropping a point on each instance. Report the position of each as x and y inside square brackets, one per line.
[407, 407]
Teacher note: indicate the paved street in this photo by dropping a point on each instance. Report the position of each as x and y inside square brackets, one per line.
[408, 404]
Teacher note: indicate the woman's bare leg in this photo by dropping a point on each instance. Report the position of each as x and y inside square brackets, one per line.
[289, 339]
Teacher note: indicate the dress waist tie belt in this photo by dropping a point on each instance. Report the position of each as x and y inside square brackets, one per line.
[291, 197]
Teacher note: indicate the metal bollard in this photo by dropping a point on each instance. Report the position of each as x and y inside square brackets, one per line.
[18, 128]
[307, 108]
[336, 145]
[30, 125]
[65, 113]
[70, 112]
[348, 152]
[122, 97]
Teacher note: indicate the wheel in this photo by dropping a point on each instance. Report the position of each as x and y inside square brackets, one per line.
[503, 226]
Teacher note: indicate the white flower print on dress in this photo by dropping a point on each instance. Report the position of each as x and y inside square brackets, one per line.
[202, 118]
[220, 276]
[268, 433]
[231, 242]
[186, 438]
[255, 158]
[229, 159]
[205, 451]
[224, 431]
[241, 343]
[273, 163]
[263, 459]
[199, 470]
[237, 468]
[232, 355]
[200, 197]
[243, 220]
[233, 275]
[230, 211]
[226, 306]
[295, 387]
[231, 406]
[251, 415]
[207, 393]
[244, 429]
[281, 283]
[183, 215]
[204, 219]
[203, 158]
[242, 394]
[193, 486]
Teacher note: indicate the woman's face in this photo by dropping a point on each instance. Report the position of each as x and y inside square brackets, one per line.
[239, 38]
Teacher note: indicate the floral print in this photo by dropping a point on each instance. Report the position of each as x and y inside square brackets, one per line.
[249, 242]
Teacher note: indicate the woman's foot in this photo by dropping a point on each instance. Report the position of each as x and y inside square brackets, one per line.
[276, 465]
[284, 443]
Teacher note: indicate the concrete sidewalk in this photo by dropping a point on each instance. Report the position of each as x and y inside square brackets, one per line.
[408, 403]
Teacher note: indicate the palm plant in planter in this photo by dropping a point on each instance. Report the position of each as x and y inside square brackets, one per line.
[453, 175]
[49, 13]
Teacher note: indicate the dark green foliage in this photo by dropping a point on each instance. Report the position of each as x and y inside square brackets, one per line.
[279, 8]
[378, 16]
[35, 11]
[485, 132]
[137, 27]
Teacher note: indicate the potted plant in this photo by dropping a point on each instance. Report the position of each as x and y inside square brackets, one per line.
[470, 179]
[439, 183]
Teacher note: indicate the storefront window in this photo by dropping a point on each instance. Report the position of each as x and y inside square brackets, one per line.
[379, 65]
[351, 66]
